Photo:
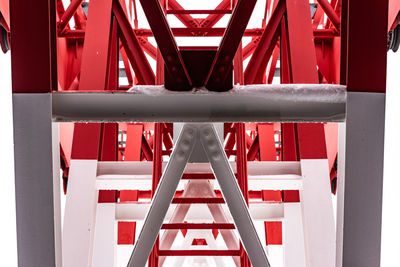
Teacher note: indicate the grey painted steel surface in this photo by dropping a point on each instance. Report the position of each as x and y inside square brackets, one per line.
[163, 196]
[37, 223]
[359, 227]
[251, 103]
[233, 195]
[169, 182]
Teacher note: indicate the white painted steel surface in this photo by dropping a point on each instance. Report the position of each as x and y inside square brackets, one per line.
[105, 236]
[37, 180]
[361, 180]
[293, 236]
[232, 195]
[251, 103]
[317, 207]
[80, 214]
[163, 196]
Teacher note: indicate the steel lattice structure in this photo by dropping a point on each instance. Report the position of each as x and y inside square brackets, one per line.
[98, 94]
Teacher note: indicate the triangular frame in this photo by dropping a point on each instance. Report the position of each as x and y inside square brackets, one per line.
[166, 189]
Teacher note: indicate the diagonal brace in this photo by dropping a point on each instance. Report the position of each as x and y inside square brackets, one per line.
[170, 180]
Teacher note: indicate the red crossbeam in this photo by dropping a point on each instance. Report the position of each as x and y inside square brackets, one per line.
[202, 11]
[330, 12]
[212, 19]
[198, 176]
[210, 32]
[186, 19]
[198, 200]
[68, 14]
[198, 226]
[199, 252]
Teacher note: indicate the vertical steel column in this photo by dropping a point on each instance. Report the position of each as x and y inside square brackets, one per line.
[37, 181]
[34, 76]
[360, 190]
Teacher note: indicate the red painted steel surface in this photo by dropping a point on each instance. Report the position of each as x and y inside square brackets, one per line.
[126, 233]
[202, 252]
[33, 57]
[273, 232]
[237, 25]
[367, 46]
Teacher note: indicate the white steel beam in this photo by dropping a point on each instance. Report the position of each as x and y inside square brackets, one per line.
[259, 211]
[293, 236]
[105, 236]
[80, 214]
[251, 103]
[229, 187]
[233, 195]
[140, 182]
[144, 169]
[318, 219]
[37, 179]
[163, 196]
[360, 186]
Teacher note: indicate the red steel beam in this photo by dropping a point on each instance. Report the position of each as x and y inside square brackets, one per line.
[258, 62]
[180, 14]
[210, 32]
[148, 154]
[212, 19]
[139, 62]
[68, 14]
[148, 47]
[230, 42]
[80, 18]
[167, 45]
[242, 176]
[33, 54]
[360, 57]
[200, 11]
[254, 195]
[157, 171]
[96, 48]
[198, 176]
[272, 66]
[203, 252]
[248, 50]
[330, 12]
[253, 150]
[198, 226]
[310, 143]
[125, 60]
[198, 200]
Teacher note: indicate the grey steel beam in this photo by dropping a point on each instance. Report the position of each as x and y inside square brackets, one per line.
[251, 103]
[214, 150]
[163, 196]
[360, 181]
[37, 179]
[233, 195]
